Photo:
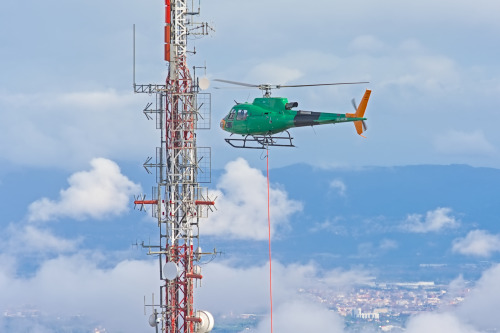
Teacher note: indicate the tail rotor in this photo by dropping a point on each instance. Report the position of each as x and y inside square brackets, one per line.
[353, 101]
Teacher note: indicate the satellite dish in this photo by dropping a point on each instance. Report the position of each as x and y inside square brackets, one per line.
[170, 271]
[152, 320]
[207, 322]
[204, 83]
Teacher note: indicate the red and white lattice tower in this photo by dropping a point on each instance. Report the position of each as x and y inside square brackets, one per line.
[178, 201]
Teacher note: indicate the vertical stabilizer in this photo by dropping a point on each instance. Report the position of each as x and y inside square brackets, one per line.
[360, 112]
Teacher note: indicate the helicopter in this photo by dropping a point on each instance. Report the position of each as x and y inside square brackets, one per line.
[265, 121]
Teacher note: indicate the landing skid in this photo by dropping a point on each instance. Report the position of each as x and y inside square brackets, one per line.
[261, 141]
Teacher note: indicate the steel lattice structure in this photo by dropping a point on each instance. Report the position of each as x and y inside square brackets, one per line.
[178, 200]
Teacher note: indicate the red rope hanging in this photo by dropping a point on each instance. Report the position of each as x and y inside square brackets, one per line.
[269, 229]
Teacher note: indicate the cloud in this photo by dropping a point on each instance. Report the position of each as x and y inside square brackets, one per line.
[89, 124]
[111, 294]
[477, 243]
[388, 244]
[228, 288]
[437, 323]
[340, 186]
[274, 73]
[480, 307]
[368, 249]
[339, 278]
[417, 68]
[99, 193]
[367, 43]
[41, 241]
[434, 221]
[477, 313]
[458, 142]
[302, 316]
[408, 72]
[242, 205]
[76, 285]
[332, 226]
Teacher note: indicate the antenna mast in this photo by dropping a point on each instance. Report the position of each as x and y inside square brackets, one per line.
[178, 202]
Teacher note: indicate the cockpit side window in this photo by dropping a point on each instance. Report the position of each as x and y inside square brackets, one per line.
[231, 114]
[242, 115]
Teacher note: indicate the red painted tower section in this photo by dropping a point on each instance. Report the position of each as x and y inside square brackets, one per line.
[178, 200]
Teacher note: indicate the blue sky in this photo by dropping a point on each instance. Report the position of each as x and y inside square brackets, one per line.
[69, 123]
[67, 72]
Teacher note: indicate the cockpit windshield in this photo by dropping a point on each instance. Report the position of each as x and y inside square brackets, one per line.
[239, 114]
[242, 115]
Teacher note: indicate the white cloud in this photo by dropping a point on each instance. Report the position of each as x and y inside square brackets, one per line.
[412, 66]
[302, 316]
[99, 193]
[274, 73]
[455, 289]
[76, 285]
[475, 314]
[459, 142]
[477, 243]
[112, 294]
[368, 249]
[67, 129]
[437, 323]
[340, 186]
[388, 244]
[332, 225]
[405, 73]
[339, 278]
[242, 205]
[246, 289]
[481, 305]
[40, 241]
[367, 43]
[434, 221]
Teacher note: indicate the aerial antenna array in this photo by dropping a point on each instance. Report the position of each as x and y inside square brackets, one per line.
[178, 202]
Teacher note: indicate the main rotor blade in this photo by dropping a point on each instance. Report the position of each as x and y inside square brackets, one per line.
[317, 84]
[238, 83]
[232, 88]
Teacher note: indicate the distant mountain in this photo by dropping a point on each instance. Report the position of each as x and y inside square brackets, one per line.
[350, 217]
[369, 217]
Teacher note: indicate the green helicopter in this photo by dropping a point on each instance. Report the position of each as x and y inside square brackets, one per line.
[259, 122]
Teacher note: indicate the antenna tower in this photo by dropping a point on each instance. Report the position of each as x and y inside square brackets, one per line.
[178, 201]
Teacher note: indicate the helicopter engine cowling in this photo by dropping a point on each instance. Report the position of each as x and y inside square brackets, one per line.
[291, 105]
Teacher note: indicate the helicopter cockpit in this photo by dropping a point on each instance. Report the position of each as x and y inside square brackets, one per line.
[234, 114]
[239, 114]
